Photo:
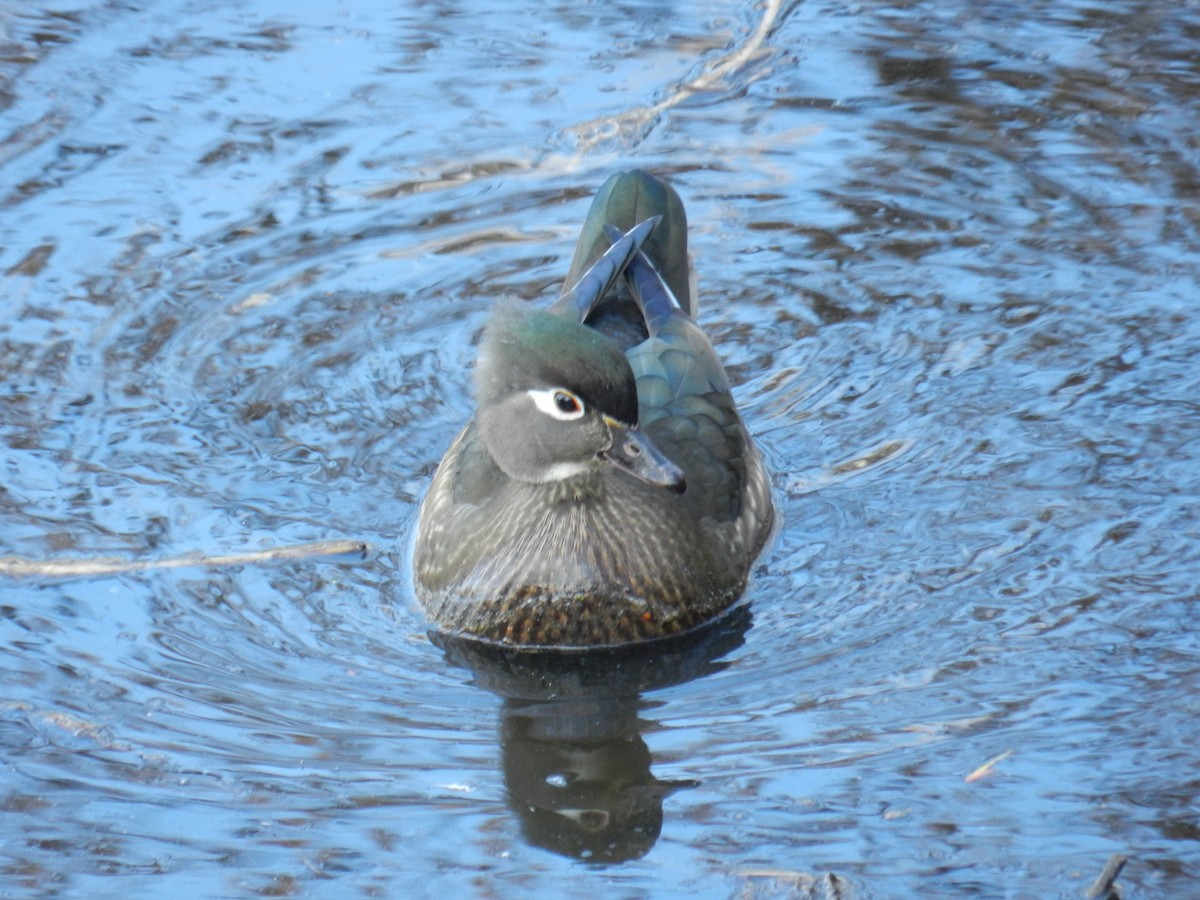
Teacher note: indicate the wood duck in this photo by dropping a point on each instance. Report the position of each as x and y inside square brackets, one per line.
[606, 491]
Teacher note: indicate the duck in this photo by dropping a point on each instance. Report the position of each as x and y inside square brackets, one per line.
[606, 492]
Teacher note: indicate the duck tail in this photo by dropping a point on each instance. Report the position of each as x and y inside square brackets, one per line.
[624, 201]
[586, 292]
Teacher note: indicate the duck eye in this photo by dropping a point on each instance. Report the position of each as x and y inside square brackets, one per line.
[557, 403]
[566, 403]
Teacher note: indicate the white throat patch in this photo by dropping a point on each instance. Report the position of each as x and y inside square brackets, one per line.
[563, 471]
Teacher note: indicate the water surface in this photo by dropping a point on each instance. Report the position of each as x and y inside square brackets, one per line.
[949, 254]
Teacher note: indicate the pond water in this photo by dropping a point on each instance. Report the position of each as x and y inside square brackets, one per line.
[949, 253]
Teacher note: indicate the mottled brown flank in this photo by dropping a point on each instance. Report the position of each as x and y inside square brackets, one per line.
[598, 560]
[535, 616]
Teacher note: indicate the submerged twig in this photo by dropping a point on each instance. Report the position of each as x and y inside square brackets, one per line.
[18, 567]
[1105, 884]
[986, 769]
[832, 887]
[639, 118]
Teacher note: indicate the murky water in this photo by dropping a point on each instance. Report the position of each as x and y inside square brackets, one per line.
[950, 254]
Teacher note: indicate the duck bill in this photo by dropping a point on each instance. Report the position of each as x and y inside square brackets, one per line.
[632, 451]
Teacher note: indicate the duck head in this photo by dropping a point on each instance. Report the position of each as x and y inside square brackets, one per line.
[558, 400]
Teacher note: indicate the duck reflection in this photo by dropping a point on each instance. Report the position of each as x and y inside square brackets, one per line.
[578, 776]
[577, 770]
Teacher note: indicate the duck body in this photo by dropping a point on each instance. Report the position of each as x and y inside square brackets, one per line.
[606, 491]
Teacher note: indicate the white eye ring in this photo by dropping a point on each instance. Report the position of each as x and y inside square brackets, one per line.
[557, 403]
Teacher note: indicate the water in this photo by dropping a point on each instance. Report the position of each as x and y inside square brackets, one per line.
[949, 253]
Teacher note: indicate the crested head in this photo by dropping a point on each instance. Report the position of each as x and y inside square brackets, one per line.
[527, 349]
[558, 401]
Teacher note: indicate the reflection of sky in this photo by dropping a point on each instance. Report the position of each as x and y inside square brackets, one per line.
[949, 253]
[205, 109]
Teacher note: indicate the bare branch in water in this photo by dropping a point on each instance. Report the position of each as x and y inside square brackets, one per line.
[632, 124]
[16, 567]
[1105, 886]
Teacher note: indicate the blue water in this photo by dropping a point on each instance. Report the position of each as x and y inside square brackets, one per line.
[950, 254]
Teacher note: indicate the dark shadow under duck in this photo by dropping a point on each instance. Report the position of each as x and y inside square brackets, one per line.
[607, 490]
